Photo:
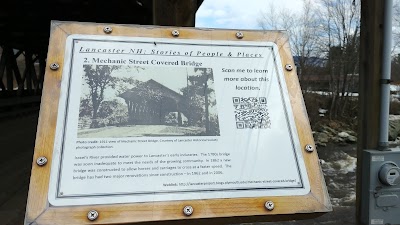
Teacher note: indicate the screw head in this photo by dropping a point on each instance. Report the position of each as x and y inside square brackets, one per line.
[54, 66]
[289, 67]
[175, 33]
[41, 161]
[107, 30]
[188, 210]
[239, 35]
[269, 205]
[92, 215]
[309, 148]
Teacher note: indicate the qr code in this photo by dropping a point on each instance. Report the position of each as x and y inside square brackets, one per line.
[251, 113]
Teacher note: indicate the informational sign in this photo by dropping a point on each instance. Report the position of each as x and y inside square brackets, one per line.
[153, 119]
[161, 119]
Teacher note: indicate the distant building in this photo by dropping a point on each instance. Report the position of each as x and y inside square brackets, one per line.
[318, 80]
[322, 82]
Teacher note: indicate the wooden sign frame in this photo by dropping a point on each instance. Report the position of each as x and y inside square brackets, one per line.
[40, 212]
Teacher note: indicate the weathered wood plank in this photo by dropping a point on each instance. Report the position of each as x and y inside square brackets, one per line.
[2, 69]
[39, 183]
[42, 69]
[14, 66]
[9, 56]
[371, 39]
[28, 75]
[37, 210]
[175, 12]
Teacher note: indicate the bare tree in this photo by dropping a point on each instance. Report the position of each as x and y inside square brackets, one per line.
[396, 26]
[303, 31]
[324, 29]
[340, 24]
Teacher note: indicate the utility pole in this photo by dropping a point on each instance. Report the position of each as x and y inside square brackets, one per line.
[372, 133]
[368, 117]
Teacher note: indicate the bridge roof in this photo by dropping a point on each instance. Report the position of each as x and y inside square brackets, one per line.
[25, 24]
[151, 86]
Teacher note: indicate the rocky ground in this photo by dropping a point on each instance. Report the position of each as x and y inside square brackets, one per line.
[394, 129]
[338, 161]
[337, 150]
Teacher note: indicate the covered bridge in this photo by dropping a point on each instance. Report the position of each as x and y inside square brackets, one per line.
[151, 102]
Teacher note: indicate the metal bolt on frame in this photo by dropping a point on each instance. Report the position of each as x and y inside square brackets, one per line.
[239, 35]
[188, 210]
[54, 66]
[92, 215]
[175, 33]
[41, 161]
[309, 148]
[269, 205]
[107, 30]
[289, 67]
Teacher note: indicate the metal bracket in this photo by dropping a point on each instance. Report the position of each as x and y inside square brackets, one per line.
[385, 81]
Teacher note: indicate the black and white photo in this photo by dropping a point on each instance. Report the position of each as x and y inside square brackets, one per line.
[134, 101]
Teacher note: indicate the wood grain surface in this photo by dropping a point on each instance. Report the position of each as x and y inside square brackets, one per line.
[219, 211]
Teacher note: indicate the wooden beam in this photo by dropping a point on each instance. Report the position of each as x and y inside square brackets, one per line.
[28, 76]
[9, 72]
[34, 76]
[369, 90]
[17, 74]
[2, 68]
[18, 54]
[175, 12]
[42, 68]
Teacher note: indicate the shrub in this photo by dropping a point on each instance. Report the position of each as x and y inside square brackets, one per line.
[394, 107]
[313, 103]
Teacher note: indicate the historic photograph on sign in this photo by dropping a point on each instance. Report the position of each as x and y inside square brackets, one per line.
[134, 101]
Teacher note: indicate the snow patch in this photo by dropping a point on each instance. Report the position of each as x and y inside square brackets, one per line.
[343, 166]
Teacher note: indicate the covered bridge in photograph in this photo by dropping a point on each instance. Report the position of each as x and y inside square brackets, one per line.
[151, 103]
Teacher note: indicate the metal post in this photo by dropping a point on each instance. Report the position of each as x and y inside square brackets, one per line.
[385, 80]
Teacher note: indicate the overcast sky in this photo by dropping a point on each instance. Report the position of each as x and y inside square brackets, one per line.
[238, 14]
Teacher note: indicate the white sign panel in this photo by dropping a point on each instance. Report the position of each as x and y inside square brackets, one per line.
[151, 119]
